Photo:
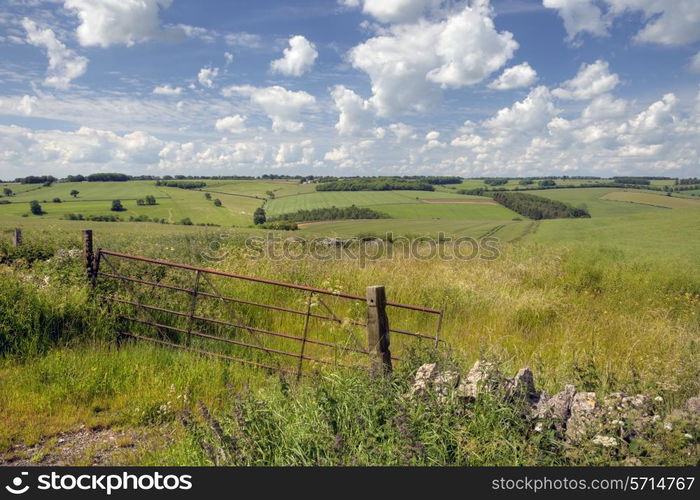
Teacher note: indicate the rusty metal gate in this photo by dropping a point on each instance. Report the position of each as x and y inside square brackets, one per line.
[264, 323]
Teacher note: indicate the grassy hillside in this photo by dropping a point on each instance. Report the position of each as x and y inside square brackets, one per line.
[653, 199]
[174, 204]
[595, 201]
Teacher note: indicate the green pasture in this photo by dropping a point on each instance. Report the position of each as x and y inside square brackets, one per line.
[326, 199]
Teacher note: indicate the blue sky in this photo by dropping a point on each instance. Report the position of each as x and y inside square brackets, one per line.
[372, 87]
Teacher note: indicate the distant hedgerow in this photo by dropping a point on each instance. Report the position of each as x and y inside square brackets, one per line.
[332, 213]
[537, 207]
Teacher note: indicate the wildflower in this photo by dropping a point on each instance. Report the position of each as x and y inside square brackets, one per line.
[606, 441]
[658, 399]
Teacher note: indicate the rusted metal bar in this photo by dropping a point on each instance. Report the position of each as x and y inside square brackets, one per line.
[206, 353]
[193, 303]
[128, 286]
[231, 311]
[428, 310]
[413, 334]
[262, 280]
[437, 330]
[96, 267]
[306, 331]
[232, 299]
[88, 251]
[224, 339]
[234, 325]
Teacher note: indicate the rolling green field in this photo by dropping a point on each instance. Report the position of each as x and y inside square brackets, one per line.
[607, 303]
[653, 199]
[95, 198]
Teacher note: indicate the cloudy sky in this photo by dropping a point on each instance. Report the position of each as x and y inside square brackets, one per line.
[376, 87]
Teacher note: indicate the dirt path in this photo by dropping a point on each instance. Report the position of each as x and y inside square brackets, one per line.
[99, 446]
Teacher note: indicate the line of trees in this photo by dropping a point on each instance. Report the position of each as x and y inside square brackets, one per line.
[375, 184]
[37, 179]
[537, 207]
[181, 184]
[332, 213]
[638, 181]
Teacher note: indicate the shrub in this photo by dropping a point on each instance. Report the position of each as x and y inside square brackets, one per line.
[117, 206]
[259, 216]
[217, 202]
[35, 208]
[280, 226]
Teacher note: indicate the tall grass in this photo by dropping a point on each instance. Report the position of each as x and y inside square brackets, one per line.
[592, 315]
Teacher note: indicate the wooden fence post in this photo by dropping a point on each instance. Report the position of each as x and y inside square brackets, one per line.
[378, 331]
[89, 253]
[17, 238]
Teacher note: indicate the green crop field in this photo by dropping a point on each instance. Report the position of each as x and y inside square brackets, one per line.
[95, 198]
[653, 199]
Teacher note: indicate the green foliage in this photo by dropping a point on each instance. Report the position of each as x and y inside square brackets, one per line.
[548, 183]
[35, 208]
[537, 207]
[94, 218]
[207, 196]
[107, 177]
[74, 193]
[182, 184]
[332, 213]
[7, 191]
[374, 184]
[495, 182]
[57, 200]
[117, 206]
[279, 226]
[640, 181]
[37, 179]
[217, 202]
[259, 216]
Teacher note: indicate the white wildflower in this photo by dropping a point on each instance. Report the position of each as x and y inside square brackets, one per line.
[606, 441]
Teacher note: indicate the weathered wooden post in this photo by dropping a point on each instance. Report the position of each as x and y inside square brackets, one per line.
[89, 253]
[378, 331]
[17, 238]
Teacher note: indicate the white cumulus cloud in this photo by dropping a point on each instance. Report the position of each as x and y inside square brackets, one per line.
[117, 22]
[298, 58]
[282, 106]
[665, 22]
[355, 114]
[234, 124]
[515, 77]
[579, 16]
[592, 80]
[409, 62]
[206, 76]
[64, 64]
